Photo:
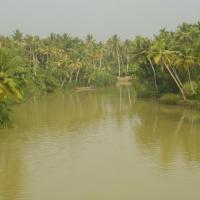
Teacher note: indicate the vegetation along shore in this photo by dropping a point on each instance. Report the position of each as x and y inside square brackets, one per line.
[166, 66]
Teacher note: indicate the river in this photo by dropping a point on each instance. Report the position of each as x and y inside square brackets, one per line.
[100, 145]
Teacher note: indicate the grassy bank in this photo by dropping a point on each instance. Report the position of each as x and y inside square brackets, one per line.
[174, 99]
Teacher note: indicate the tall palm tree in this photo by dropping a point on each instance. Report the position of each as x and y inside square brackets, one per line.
[127, 51]
[142, 51]
[114, 44]
[17, 35]
[186, 61]
[163, 58]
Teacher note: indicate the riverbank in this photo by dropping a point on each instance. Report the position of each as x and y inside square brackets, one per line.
[147, 91]
[176, 100]
[171, 99]
[124, 81]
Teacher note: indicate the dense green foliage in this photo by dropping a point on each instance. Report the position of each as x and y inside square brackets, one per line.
[168, 63]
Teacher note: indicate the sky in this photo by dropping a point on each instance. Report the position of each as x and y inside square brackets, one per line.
[102, 18]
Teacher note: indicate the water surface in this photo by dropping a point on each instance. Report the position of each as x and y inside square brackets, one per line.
[100, 145]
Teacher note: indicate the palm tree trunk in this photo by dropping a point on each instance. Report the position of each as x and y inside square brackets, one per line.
[178, 79]
[34, 65]
[63, 82]
[77, 73]
[175, 80]
[100, 63]
[47, 61]
[190, 80]
[154, 73]
[127, 66]
[119, 64]
[70, 78]
[175, 73]
[94, 64]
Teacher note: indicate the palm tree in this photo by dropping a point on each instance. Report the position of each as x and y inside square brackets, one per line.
[185, 61]
[8, 86]
[114, 43]
[164, 58]
[100, 51]
[142, 51]
[32, 45]
[127, 51]
[90, 47]
[17, 35]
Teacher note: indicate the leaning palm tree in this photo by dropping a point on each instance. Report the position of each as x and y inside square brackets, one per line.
[164, 58]
[186, 61]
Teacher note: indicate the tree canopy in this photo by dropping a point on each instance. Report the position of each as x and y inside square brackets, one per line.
[169, 62]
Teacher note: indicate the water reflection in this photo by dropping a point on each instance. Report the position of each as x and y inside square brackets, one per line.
[107, 134]
[169, 132]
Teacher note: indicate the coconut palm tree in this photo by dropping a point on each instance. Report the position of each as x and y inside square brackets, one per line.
[164, 58]
[8, 88]
[186, 61]
[142, 51]
[114, 44]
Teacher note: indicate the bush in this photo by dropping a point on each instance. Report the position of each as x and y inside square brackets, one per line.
[171, 99]
[5, 115]
[51, 84]
[102, 79]
[188, 90]
[197, 96]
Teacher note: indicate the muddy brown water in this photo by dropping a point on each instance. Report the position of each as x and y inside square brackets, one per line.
[100, 145]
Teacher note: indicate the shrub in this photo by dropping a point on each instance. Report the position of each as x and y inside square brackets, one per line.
[51, 84]
[102, 79]
[171, 99]
[5, 115]
[197, 96]
[188, 89]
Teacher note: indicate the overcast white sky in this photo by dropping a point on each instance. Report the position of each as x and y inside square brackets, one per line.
[102, 18]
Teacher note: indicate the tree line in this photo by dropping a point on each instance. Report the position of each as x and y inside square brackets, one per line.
[167, 63]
